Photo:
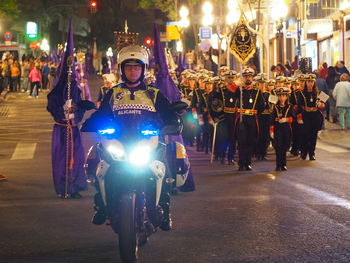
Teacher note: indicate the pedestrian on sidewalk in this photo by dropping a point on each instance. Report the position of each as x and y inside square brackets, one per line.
[1, 78]
[332, 79]
[25, 74]
[35, 80]
[52, 76]
[322, 86]
[15, 76]
[340, 68]
[6, 74]
[45, 74]
[341, 95]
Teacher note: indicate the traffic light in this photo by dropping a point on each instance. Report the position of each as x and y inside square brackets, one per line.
[93, 6]
[148, 41]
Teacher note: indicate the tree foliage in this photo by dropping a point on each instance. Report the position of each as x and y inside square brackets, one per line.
[9, 8]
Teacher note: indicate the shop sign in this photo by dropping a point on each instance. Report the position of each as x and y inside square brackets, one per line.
[172, 31]
[205, 32]
[318, 26]
[292, 32]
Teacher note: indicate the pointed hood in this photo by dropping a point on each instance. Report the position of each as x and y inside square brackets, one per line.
[59, 93]
[179, 62]
[163, 80]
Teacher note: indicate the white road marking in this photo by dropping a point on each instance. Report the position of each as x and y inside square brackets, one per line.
[325, 197]
[24, 151]
[331, 148]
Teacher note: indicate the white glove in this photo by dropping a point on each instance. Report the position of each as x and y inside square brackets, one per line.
[282, 120]
[67, 105]
[272, 135]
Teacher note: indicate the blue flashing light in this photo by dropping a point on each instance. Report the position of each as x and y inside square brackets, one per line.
[150, 132]
[106, 131]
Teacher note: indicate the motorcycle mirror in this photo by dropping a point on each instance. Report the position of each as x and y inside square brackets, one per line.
[171, 129]
[86, 105]
[178, 106]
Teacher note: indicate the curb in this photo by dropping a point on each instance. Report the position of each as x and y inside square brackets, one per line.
[3, 96]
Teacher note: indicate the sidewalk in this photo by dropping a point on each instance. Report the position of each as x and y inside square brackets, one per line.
[335, 136]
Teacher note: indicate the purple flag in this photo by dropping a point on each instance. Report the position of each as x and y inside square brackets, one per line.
[168, 88]
[180, 66]
[68, 156]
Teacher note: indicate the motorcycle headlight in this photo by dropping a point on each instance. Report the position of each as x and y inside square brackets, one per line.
[106, 131]
[117, 152]
[150, 132]
[141, 155]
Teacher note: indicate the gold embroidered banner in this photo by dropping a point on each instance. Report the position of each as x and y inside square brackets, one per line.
[242, 45]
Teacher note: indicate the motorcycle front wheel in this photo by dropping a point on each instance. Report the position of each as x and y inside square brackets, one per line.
[128, 241]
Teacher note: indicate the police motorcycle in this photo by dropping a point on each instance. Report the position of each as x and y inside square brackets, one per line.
[129, 167]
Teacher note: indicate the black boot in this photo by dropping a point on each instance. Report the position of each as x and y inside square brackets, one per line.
[294, 152]
[164, 203]
[303, 155]
[99, 217]
[312, 157]
[167, 223]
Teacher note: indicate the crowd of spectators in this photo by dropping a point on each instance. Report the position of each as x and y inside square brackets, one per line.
[30, 75]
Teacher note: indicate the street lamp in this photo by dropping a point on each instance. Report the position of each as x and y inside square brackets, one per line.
[44, 46]
[233, 13]
[278, 12]
[184, 22]
[208, 18]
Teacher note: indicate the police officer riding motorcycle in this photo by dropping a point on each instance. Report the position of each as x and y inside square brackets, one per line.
[139, 118]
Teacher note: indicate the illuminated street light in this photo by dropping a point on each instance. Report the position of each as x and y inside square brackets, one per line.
[184, 22]
[344, 5]
[208, 18]
[233, 13]
[278, 10]
[179, 46]
[44, 45]
[251, 15]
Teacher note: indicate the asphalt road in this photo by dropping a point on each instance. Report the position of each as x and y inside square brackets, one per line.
[301, 215]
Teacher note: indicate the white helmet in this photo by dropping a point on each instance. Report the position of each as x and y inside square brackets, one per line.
[132, 54]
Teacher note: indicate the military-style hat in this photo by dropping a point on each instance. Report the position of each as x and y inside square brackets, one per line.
[209, 80]
[216, 78]
[261, 77]
[282, 91]
[230, 73]
[202, 76]
[295, 81]
[301, 77]
[271, 82]
[310, 77]
[192, 76]
[223, 68]
[288, 80]
[280, 79]
[210, 73]
[248, 72]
